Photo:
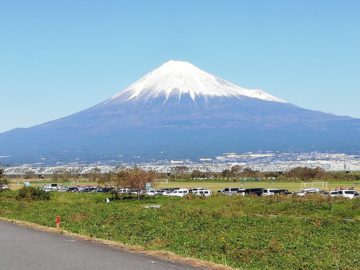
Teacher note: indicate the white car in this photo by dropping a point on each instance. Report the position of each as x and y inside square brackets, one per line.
[181, 192]
[123, 191]
[50, 187]
[4, 187]
[270, 192]
[201, 192]
[275, 191]
[196, 189]
[151, 192]
[307, 191]
[62, 189]
[229, 191]
[348, 193]
[334, 193]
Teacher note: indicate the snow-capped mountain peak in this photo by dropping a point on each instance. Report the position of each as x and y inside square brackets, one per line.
[179, 78]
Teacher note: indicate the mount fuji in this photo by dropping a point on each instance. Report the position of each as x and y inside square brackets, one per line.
[181, 111]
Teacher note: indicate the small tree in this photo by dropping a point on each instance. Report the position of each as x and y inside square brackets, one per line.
[134, 178]
[3, 181]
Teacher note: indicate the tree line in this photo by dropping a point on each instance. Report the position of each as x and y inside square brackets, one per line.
[133, 177]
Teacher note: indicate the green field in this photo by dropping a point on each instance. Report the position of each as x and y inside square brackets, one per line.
[242, 232]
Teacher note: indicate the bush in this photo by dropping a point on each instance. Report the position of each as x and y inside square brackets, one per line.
[32, 194]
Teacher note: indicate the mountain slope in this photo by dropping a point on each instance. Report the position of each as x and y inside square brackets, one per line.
[180, 111]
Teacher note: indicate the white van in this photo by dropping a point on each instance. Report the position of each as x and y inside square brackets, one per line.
[181, 192]
[229, 191]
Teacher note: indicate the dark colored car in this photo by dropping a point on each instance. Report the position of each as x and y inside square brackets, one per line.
[254, 191]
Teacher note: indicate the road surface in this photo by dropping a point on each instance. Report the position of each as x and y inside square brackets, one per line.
[23, 248]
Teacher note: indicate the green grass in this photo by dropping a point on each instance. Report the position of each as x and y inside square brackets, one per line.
[243, 232]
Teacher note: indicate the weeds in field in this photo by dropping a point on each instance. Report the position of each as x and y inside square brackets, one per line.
[32, 194]
[282, 232]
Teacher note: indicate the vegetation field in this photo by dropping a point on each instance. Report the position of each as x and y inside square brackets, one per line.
[242, 232]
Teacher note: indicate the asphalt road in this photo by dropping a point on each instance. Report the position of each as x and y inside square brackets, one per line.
[22, 248]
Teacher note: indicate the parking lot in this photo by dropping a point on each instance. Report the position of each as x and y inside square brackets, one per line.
[201, 191]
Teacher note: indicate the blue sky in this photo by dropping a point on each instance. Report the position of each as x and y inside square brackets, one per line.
[59, 57]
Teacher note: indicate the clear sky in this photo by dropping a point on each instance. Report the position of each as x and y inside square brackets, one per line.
[59, 57]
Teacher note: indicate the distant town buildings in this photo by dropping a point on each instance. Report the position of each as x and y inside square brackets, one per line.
[269, 162]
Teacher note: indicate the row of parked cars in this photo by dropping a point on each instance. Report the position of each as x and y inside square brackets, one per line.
[345, 193]
[176, 192]
[58, 188]
[253, 191]
[181, 192]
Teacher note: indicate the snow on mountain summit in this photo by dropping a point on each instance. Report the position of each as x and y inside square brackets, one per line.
[181, 78]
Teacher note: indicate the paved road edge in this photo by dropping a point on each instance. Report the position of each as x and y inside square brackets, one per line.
[164, 255]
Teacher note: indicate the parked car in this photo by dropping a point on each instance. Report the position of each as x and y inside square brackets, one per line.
[62, 189]
[167, 191]
[308, 191]
[151, 192]
[196, 189]
[334, 193]
[136, 191]
[348, 193]
[50, 187]
[123, 191]
[72, 189]
[201, 192]
[241, 191]
[181, 192]
[229, 191]
[88, 189]
[254, 191]
[275, 191]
